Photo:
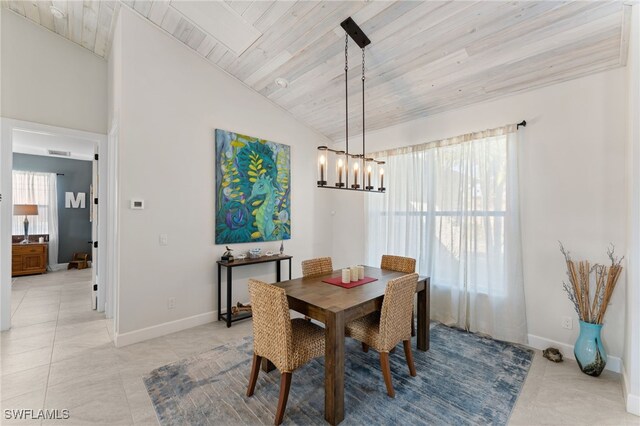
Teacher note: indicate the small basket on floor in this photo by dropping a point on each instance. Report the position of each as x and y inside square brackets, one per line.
[80, 261]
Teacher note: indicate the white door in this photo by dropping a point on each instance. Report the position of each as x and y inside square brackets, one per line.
[93, 208]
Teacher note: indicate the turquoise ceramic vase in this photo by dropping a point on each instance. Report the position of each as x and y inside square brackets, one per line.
[588, 349]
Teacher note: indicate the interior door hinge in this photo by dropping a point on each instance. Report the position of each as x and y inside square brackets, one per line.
[95, 244]
[95, 157]
[95, 201]
[95, 287]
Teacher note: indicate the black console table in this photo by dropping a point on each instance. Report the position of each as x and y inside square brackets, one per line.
[244, 262]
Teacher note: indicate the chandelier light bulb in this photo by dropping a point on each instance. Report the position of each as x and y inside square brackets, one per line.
[322, 160]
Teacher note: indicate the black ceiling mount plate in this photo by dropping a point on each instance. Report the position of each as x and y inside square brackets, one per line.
[355, 32]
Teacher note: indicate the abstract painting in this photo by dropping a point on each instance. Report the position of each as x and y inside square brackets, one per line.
[253, 181]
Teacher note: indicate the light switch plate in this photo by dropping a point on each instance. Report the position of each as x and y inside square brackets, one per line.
[137, 204]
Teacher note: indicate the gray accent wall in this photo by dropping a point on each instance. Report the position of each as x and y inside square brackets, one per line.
[74, 227]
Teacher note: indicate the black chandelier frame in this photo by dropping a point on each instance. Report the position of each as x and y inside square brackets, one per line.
[353, 31]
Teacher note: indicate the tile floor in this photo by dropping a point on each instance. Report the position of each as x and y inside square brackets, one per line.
[59, 355]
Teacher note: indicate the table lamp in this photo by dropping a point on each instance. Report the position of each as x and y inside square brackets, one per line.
[26, 210]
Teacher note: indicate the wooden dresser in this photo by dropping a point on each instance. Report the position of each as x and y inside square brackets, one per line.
[28, 259]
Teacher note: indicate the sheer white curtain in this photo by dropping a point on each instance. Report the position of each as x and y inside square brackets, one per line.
[453, 205]
[31, 188]
[41, 189]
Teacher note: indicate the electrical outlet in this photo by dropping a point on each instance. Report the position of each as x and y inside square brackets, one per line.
[567, 322]
[171, 303]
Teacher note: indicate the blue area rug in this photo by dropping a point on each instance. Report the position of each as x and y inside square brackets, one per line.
[464, 379]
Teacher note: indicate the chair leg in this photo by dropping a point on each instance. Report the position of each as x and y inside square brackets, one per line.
[409, 356]
[285, 384]
[365, 347]
[413, 325]
[386, 373]
[253, 377]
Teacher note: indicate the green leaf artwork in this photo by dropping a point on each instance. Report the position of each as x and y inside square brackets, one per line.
[253, 178]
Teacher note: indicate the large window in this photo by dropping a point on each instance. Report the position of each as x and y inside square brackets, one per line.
[452, 205]
[32, 188]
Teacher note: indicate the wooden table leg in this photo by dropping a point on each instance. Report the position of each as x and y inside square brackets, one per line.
[334, 368]
[424, 313]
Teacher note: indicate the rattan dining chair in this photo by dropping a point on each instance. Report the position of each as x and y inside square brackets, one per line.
[287, 343]
[320, 265]
[384, 329]
[400, 264]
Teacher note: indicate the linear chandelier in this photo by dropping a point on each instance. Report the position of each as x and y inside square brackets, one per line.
[361, 168]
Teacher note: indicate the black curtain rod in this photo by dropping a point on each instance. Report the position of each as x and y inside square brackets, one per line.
[523, 123]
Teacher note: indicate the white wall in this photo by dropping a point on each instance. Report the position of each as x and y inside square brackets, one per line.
[114, 75]
[572, 187]
[632, 331]
[114, 94]
[50, 80]
[171, 103]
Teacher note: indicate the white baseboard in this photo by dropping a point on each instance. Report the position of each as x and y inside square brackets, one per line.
[614, 363]
[136, 336]
[632, 401]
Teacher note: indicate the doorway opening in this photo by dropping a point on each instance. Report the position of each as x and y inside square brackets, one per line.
[53, 221]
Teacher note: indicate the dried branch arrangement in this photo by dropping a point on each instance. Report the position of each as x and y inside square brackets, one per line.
[591, 301]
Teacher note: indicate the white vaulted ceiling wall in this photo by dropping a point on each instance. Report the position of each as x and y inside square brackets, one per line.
[425, 57]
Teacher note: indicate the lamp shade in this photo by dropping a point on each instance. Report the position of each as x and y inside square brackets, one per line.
[25, 210]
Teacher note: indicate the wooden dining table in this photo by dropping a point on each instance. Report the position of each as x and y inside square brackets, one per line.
[335, 306]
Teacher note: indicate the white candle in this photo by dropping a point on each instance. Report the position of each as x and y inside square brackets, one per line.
[355, 173]
[346, 276]
[381, 178]
[360, 272]
[354, 273]
[322, 167]
[369, 176]
[340, 170]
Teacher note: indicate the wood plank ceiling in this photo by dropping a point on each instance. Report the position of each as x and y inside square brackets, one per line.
[89, 23]
[425, 57]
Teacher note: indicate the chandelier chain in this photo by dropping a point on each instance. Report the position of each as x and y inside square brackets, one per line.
[346, 52]
[363, 64]
[346, 103]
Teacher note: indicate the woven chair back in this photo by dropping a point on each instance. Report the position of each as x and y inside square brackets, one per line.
[398, 263]
[272, 335]
[397, 308]
[318, 266]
